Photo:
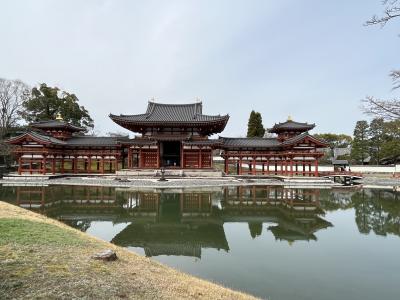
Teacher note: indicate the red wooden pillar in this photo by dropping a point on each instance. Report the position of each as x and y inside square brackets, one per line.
[309, 168]
[182, 162]
[291, 166]
[89, 168]
[200, 163]
[316, 167]
[129, 158]
[253, 170]
[75, 159]
[158, 156]
[267, 165]
[53, 165]
[226, 162]
[141, 162]
[44, 165]
[102, 165]
[240, 165]
[62, 164]
[20, 165]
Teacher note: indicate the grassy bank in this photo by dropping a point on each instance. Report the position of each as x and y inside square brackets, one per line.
[43, 258]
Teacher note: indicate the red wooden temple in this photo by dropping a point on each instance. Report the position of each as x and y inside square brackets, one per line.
[172, 136]
[293, 152]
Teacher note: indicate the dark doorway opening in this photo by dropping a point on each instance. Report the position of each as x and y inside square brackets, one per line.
[171, 154]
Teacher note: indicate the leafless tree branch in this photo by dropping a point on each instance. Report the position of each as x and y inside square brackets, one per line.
[387, 109]
[395, 74]
[391, 11]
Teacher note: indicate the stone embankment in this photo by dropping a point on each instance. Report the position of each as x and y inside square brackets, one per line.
[154, 183]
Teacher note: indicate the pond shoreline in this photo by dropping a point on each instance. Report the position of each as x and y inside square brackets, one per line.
[175, 183]
[200, 182]
[32, 261]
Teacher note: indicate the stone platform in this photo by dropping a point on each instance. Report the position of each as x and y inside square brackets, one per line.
[170, 173]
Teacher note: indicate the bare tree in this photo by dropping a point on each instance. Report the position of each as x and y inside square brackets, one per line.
[391, 11]
[12, 94]
[387, 109]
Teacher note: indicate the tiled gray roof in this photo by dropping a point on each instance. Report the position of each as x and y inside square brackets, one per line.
[171, 113]
[37, 136]
[340, 162]
[291, 125]
[203, 142]
[249, 142]
[55, 124]
[300, 137]
[93, 141]
[138, 141]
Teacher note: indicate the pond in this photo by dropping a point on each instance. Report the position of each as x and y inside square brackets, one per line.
[269, 241]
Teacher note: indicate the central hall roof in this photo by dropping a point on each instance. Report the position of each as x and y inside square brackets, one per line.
[164, 115]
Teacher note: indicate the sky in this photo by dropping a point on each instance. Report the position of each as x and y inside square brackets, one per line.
[312, 60]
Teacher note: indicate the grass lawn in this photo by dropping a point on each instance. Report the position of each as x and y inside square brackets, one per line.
[41, 258]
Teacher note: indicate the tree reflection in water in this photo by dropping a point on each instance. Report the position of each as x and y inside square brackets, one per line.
[183, 222]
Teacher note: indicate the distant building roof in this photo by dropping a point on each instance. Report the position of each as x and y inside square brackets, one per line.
[340, 162]
[167, 115]
[291, 126]
[55, 124]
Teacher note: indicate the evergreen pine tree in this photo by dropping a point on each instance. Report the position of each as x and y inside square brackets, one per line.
[255, 127]
[359, 151]
[377, 137]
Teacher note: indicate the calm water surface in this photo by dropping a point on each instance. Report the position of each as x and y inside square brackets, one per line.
[269, 241]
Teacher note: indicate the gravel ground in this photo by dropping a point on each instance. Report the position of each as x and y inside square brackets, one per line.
[148, 182]
[375, 181]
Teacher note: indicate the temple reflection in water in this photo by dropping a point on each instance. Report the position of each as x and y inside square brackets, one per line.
[182, 222]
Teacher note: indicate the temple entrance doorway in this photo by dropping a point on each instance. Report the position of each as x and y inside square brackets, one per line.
[170, 154]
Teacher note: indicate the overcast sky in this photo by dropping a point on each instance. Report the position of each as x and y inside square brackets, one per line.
[313, 60]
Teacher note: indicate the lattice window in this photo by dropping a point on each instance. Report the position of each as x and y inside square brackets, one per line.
[150, 159]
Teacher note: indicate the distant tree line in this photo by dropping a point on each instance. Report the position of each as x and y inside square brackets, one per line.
[379, 141]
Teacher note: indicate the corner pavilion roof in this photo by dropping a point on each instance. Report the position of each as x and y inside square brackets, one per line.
[173, 115]
[56, 124]
[75, 141]
[290, 125]
[255, 142]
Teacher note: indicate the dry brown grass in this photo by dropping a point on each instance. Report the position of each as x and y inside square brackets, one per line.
[58, 269]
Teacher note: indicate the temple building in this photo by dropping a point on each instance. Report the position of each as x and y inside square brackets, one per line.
[292, 152]
[171, 136]
[59, 147]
